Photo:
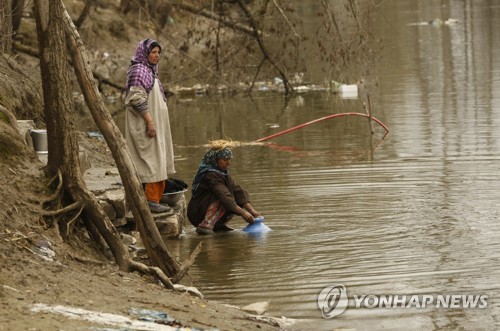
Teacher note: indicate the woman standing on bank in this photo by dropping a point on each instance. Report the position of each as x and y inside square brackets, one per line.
[147, 125]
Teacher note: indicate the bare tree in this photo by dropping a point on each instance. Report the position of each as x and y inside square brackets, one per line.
[5, 26]
[11, 12]
[256, 40]
[55, 28]
[232, 38]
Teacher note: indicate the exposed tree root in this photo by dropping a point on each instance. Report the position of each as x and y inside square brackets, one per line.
[70, 223]
[84, 260]
[58, 189]
[152, 271]
[58, 232]
[101, 228]
[57, 196]
[58, 175]
[67, 209]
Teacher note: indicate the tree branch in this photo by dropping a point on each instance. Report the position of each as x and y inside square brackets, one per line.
[33, 52]
[286, 18]
[210, 15]
[257, 35]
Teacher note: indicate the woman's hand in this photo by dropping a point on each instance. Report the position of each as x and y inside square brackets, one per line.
[247, 217]
[252, 211]
[150, 129]
[150, 124]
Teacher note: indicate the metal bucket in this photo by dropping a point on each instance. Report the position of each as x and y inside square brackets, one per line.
[172, 198]
[39, 138]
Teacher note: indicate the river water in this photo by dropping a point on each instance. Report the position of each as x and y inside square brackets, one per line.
[414, 213]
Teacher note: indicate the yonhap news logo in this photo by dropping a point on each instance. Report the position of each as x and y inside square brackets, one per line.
[333, 301]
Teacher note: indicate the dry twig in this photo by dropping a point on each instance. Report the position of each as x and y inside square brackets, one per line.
[187, 264]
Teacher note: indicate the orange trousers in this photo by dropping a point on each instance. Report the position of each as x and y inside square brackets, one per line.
[154, 191]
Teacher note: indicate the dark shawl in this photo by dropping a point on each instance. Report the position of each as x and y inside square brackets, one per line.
[210, 184]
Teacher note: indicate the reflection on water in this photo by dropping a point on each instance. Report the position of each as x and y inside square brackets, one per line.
[416, 213]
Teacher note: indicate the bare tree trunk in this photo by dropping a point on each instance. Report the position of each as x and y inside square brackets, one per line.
[17, 14]
[62, 142]
[6, 26]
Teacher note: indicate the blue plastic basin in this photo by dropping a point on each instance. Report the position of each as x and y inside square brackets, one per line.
[257, 226]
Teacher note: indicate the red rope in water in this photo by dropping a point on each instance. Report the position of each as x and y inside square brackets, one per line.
[322, 119]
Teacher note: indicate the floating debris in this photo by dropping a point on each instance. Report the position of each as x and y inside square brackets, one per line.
[277, 81]
[344, 90]
[436, 22]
